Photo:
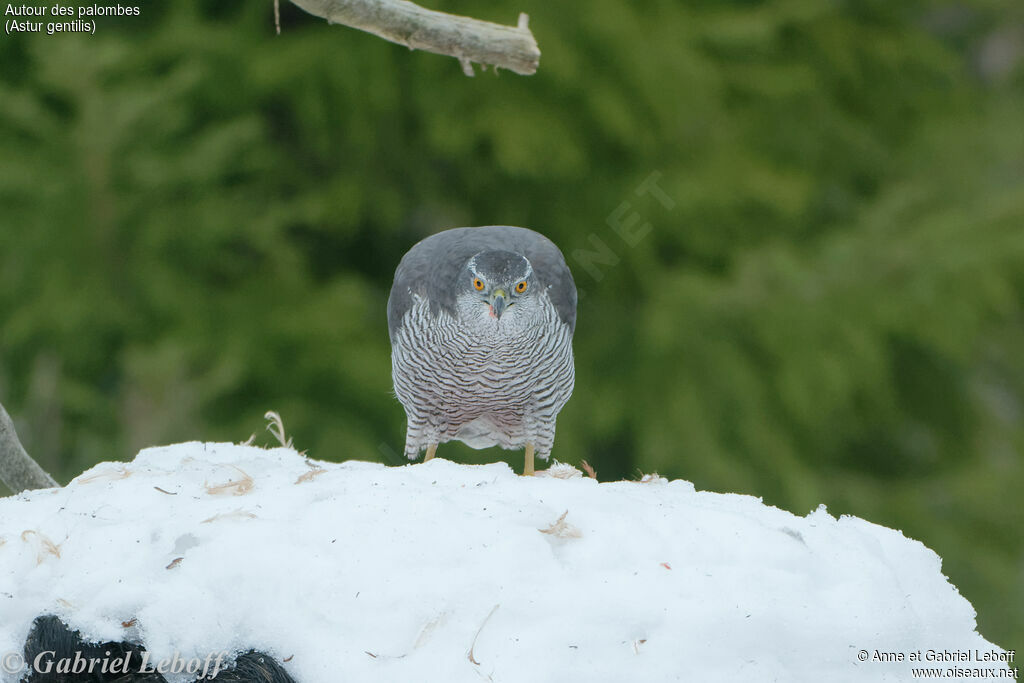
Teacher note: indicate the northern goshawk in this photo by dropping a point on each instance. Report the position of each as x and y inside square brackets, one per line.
[481, 323]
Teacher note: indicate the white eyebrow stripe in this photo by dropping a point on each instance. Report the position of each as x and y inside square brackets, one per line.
[529, 268]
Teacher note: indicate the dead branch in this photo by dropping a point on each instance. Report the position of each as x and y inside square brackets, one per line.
[468, 40]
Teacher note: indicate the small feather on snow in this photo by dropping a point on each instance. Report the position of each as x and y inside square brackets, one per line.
[589, 469]
[311, 475]
[234, 488]
[562, 529]
[560, 470]
[120, 471]
[275, 425]
[237, 514]
[44, 545]
[469, 655]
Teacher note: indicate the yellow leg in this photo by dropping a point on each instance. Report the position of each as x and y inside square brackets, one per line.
[431, 449]
[528, 466]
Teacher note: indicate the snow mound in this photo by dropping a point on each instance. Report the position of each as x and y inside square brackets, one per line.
[445, 572]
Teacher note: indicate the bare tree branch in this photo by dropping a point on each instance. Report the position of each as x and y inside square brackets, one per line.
[468, 40]
[17, 469]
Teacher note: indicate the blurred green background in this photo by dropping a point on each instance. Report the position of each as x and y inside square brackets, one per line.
[199, 221]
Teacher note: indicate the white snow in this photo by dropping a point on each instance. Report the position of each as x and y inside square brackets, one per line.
[361, 572]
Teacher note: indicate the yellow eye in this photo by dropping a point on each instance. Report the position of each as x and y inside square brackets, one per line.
[478, 284]
[521, 287]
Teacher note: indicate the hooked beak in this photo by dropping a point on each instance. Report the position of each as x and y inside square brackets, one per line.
[498, 303]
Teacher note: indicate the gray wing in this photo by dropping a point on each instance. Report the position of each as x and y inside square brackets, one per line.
[431, 266]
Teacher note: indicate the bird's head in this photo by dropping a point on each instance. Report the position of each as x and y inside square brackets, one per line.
[497, 287]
